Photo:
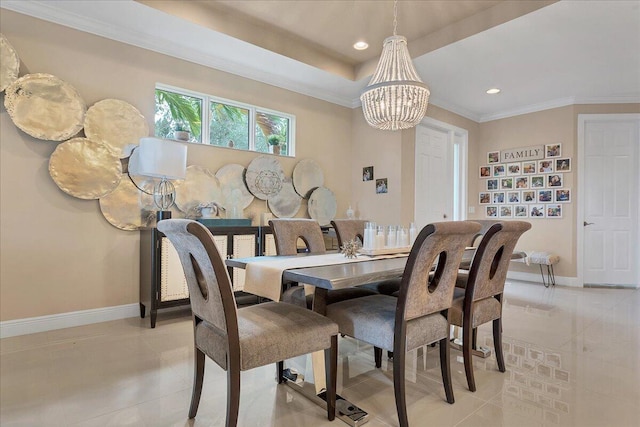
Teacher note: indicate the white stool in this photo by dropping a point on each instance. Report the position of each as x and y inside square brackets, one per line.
[544, 258]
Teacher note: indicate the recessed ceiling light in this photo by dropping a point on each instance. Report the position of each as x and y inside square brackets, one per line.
[360, 45]
[493, 91]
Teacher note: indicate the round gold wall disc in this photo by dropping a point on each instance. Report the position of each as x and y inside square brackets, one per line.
[307, 176]
[9, 63]
[85, 169]
[286, 203]
[322, 205]
[231, 178]
[264, 177]
[116, 124]
[199, 187]
[122, 207]
[45, 107]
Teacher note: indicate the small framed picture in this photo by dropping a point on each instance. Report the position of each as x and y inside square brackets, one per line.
[522, 182]
[492, 184]
[506, 183]
[493, 157]
[554, 211]
[498, 197]
[381, 186]
[520, 211]
[499, 170]
[536, 211]
[367, 173]
[485, 198]
[506, 211]
[545, 196]
[553, 150]
[529, 167]
[491, 211]
[485, 171]
[513, 169]
[513, 196]
[545, 166]
[529, 196]
[554, 180]
[537, 181]
[563, 165]
[563, 195]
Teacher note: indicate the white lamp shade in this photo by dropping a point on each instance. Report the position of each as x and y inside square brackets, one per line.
[160, 158]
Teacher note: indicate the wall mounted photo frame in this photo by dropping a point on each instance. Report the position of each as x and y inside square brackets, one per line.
[506, 183]
[529, 167]
[553, 150]
[492, 184]
[522, 182]
[529, 196]
[381, 186]
[563, 165]
[491, 211]
[562, 195]
[485, 198]
[499, 170]
[545, 166]
[513, 196]
[493, 157]
[498, 197]
[506, 211]
[537, 181]
[513, 169]
[554, 180]
[367, 173]
[554, 211]
[520, 211]
[545, 196]
[536, 211]
[485, 171]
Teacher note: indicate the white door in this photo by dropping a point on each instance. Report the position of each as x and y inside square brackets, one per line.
[611, 189]
[434, 176]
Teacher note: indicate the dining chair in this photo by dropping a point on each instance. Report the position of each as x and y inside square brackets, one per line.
[246, 338]
[287, 234]
[350, 229]
[419, 315]
[478, 295]
[485, 224]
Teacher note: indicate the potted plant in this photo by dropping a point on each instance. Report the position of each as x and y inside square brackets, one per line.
[181, 131]
[274, 141]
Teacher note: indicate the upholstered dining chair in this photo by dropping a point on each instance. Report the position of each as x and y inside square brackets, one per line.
[242, 339]
[478, 294]
[287, 233]
[419, 315]
[350, 229]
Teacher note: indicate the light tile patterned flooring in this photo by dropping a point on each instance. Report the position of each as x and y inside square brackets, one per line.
[572, 355]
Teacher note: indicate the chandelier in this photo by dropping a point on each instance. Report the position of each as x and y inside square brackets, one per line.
[396, 98]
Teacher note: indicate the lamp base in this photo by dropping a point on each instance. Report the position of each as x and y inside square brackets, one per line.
[160, 215]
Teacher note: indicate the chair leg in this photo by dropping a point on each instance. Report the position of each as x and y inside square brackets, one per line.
[445, 367]
[398, 385]
[331, 369]
[198, 376]
[475, 339]
[233, 393]
[497, 342]
[377, 354]
[280, 372]
[467, 347]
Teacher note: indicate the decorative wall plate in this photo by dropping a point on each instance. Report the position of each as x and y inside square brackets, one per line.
[307, 176]
[9, 63]
[286, 203]
[116, 124]
[45, 107]
[322, 205]
[199, 187]
[85, 169]
[264, 177]
[122, 208]
[231, 177]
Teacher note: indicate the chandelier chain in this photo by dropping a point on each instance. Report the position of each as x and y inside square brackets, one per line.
[395, 17]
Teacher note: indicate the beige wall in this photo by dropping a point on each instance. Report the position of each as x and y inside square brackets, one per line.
[58, 253]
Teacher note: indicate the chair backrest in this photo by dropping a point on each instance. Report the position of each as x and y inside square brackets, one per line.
[488, 271]
[485, 226]
[348, 229]
[210, 289]
[287, 232]
[443, 242]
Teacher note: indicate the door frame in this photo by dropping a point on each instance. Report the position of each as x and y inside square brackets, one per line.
[582, 121]
[458, 139]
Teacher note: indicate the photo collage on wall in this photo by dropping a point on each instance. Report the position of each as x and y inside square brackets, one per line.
[381, 183]
[525, 189]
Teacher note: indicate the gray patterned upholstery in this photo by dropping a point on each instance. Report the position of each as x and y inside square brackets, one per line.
[419, 315]
[245, 338]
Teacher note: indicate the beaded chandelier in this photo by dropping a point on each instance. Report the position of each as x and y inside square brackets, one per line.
[396, 98]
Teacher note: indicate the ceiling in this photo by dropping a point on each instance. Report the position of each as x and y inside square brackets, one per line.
[542, 54]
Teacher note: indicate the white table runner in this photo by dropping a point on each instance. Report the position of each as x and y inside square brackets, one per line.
[264, 277]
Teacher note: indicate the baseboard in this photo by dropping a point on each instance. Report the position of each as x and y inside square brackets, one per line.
[537, 278]
[32, 325]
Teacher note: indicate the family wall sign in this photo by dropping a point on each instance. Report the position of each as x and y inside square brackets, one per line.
[535, 152]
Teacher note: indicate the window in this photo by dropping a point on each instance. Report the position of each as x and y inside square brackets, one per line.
[180, 115]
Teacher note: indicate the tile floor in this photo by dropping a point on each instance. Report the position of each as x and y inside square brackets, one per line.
[572, 355]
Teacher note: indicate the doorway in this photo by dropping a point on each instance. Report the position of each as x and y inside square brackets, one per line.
[440, 172]
[608, 226]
